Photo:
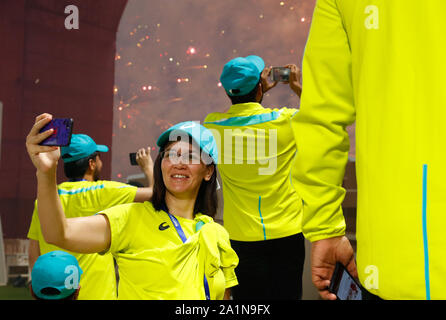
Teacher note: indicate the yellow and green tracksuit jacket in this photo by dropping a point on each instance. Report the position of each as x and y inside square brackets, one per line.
[380, 63]
[256, 151]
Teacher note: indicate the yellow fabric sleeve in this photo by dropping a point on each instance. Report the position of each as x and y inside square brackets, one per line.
[320, 125]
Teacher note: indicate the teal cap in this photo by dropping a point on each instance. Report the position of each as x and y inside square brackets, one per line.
[241, 75]
[202, 136]
[81, 146]
[57, 270]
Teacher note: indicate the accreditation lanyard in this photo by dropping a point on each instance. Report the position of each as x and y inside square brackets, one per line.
[183, 238]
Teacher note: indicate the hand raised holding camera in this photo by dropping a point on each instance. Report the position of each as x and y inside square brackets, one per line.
[266, 85]
[145, 162]
[44, 158]
[294, 79]
[144, 159]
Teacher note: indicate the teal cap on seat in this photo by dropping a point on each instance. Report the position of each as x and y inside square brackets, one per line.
[81, 146]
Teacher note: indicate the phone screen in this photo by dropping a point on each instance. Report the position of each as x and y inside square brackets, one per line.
[133, 159]
[343, 285]
[280, 74]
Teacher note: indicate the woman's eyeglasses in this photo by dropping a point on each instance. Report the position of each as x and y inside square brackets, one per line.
[186, 158]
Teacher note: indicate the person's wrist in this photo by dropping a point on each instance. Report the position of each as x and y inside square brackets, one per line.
[328, 239]
[297, 89]
[144, 167]
[148, 173]
[47, 175]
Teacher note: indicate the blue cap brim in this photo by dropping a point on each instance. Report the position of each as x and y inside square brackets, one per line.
[62, 295]
[101, 148]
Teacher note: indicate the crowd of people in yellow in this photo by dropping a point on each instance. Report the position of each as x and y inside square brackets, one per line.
[372, 62]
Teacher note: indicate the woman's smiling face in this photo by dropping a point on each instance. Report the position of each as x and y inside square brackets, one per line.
[182, 169]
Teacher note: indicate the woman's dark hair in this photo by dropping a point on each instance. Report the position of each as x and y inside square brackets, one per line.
[76, 170]
[249, 97]
[206, 202]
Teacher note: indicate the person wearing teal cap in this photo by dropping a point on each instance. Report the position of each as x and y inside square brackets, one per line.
[262, 209]
[81, 146]
[241, 75]
[200, 135]
[56, 276]
[83, 195]
[166, 248]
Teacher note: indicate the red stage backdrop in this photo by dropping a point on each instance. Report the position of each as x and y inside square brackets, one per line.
[47, 68]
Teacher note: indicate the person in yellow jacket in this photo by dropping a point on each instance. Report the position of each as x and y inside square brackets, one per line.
[84, 194]
[262, 208]
[381, 64]
[168, 248]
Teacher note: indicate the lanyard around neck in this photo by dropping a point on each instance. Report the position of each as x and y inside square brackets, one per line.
[177, 226]
[183, 238]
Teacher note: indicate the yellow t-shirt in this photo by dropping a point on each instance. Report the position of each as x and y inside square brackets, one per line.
[82, 199]
[257, 149]
[154, 263]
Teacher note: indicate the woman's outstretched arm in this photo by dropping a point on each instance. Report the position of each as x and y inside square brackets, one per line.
[85, 234]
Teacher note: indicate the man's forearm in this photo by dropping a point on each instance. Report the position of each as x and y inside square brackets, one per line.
[297, 90]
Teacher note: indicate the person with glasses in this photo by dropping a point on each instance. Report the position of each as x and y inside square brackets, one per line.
[168, 248]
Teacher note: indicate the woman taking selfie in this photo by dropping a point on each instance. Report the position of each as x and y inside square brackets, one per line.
[169, 248]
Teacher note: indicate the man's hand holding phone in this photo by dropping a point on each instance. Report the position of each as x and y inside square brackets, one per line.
[343, 285]
[324, 255]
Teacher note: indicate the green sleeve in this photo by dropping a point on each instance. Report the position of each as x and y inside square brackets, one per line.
[320, 125]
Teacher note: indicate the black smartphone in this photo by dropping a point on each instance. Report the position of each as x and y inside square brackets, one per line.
[61, 137]
[281, 74]
[133, 159]
[343, 285]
